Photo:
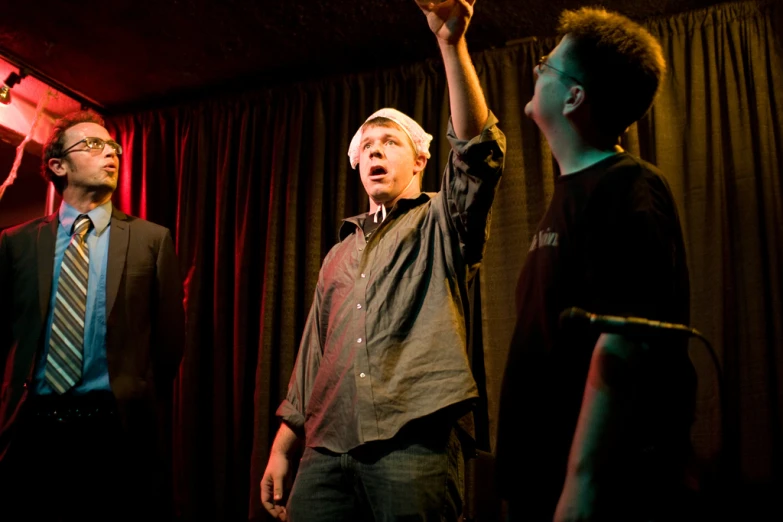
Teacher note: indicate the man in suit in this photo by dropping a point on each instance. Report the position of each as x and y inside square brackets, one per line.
[91, 335]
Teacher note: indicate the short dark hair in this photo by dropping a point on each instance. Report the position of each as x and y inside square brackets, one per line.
[56, 143]
[620, 63]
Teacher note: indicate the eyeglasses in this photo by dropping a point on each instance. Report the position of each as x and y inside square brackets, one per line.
[543, 61]
[95, 146]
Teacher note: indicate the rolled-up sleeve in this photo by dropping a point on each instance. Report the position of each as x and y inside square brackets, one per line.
[469, 183]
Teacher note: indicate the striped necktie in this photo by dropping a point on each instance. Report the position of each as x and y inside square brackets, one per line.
[66, 341]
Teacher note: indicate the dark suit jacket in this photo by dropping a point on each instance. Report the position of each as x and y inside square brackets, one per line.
[144, 314]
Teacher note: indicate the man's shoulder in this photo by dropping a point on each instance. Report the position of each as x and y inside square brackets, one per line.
[632, 174]
[630, 164]
[139, 224]
[632, 184]
[28, 227]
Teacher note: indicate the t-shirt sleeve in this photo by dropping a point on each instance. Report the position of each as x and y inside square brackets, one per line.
[634, 250]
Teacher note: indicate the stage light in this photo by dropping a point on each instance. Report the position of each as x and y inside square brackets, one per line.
[5, 90]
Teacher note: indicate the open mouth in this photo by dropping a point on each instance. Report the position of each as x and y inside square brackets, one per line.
[377, 171]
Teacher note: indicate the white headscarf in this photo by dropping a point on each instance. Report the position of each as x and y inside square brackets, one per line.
[420, 139]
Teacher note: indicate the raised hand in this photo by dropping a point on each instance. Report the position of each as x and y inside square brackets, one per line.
[448, 19]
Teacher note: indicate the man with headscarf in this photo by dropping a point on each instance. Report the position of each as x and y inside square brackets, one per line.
[382, 377]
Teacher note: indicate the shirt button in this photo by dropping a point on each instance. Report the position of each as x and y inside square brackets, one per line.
[362, 375]
[358, 306]
[361, 248]
[363, 276]
[359, 340]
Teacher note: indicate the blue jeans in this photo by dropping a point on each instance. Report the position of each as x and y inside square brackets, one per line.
[405, 479]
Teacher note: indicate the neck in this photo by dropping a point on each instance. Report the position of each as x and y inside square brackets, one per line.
[410, 192]
[85, 201]
[574, 153]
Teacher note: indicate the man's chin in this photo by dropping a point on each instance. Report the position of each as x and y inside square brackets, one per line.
[381, 198]
[106, 187]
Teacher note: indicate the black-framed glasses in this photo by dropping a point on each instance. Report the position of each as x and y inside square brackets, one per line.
[95, 146]
[543, 61]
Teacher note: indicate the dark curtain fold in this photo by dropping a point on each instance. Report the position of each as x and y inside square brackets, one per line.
[254, 188]
[718, 131]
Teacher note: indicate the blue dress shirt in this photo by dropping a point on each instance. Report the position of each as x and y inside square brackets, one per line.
[95, 370]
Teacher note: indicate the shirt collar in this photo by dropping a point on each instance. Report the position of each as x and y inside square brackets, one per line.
[380, 214]
[100, 217]
[349, 225]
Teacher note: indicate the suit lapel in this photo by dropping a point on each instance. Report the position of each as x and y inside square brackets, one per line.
[47, 236]
[119, 236]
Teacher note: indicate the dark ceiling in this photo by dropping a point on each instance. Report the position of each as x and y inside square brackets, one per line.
[125, 54]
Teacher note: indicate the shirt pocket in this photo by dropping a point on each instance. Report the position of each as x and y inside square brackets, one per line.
[404, 253]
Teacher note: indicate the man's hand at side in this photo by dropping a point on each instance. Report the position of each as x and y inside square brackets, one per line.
[273, 492]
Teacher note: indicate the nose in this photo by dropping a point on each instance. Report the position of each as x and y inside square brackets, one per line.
[376, 151]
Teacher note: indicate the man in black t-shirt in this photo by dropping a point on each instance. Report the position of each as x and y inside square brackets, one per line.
[596, 426]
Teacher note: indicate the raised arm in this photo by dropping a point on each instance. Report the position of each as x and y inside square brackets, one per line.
[449, 21]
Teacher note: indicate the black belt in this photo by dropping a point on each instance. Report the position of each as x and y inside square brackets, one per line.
[96, 405]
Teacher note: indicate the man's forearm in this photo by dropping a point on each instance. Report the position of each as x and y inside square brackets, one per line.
[596, 431]
[607, 401]
[286, 441]
[469, 109]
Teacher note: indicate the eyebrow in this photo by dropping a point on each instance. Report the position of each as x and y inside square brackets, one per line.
[383, 136]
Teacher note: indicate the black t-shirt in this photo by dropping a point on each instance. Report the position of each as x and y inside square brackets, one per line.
[610, 243]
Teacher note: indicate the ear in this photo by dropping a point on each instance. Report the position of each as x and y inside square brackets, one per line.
[576, 98]
[419, 163]
[57, 165]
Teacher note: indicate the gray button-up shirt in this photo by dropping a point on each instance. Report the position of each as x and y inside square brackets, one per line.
[385, 341]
